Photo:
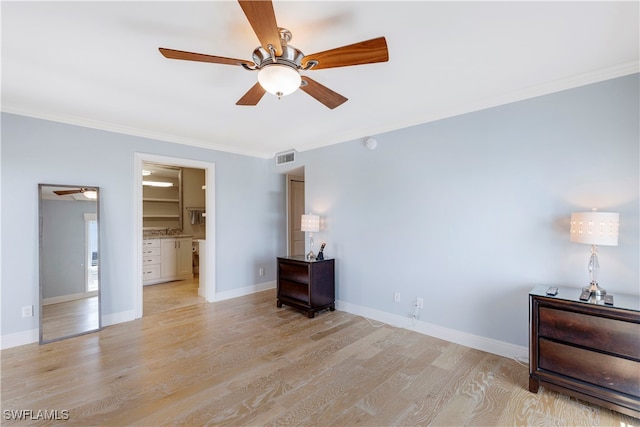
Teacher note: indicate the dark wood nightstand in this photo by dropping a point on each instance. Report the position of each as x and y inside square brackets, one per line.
[586, 349]
[307, 285]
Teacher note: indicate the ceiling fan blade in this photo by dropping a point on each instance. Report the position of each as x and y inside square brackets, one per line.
[322, 93]
[201, 57]
[65, 192]
[366, 52]
[262, 18]
[253, 96]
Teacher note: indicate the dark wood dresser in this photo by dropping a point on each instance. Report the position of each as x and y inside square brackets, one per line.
[586, 349]
[307, 285]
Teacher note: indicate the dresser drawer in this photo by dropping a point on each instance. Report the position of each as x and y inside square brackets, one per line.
[150, 252]
[150, 272]
[294, 272]
[599, 333]
[151, 243]
[607, 371]
[150, 260]
[294, 290]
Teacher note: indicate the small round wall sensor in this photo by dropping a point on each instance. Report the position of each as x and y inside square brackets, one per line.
[371, 143]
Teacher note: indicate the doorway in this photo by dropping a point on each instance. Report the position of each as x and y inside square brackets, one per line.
[295, 210]
[207, 247]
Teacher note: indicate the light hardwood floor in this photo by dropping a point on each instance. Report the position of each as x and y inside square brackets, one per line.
[245, 362]
[171, 295]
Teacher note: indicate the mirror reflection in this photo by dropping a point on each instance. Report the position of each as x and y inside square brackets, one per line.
[69, 261]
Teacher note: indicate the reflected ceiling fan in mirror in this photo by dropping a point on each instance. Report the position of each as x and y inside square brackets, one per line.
[279, 64]
[89, 193]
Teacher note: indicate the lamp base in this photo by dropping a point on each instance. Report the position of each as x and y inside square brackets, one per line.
[595, 290]
[311, 256]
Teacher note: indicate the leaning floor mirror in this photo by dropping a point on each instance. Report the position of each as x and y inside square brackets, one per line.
[69, 261]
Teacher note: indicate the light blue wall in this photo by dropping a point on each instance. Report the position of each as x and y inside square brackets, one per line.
[472, 212]
[469, 213]
[250, 220]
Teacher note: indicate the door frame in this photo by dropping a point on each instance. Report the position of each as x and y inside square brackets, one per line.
[209, 277]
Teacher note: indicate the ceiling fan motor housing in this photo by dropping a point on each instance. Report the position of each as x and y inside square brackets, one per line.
[290, 56]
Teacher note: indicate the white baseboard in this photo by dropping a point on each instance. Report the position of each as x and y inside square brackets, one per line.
[67, 298]
[489, 345]
[33, 335]
[235, 293]
[20, 338]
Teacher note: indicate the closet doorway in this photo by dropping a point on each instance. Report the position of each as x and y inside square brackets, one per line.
[295, 210]
[192, 215]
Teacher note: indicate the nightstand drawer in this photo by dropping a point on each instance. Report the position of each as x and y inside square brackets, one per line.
[614, 373]
[599, 333]
[294, 272]
[294, 290]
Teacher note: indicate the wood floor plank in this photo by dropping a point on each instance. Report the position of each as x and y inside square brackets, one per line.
[245, 362]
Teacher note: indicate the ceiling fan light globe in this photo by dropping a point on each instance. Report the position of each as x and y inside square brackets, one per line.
[279, 80]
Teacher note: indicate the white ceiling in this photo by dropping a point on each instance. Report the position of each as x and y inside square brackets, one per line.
[97, 64]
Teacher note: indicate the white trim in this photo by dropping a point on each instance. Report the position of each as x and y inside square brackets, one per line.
[478, 342]
[121, 317]
[209, 278]
[20, 338]
[247, 290]
[69, 297]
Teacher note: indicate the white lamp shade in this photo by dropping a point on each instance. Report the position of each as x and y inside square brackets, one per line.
[595, 228]
[310, 223]
[279, 80]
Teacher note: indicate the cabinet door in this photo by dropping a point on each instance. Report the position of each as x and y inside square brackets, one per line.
[169, 259]
[184, 256]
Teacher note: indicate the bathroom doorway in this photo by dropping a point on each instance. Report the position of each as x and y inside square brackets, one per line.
[195, 213]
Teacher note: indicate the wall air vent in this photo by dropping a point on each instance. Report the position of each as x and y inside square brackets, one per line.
[285, 158]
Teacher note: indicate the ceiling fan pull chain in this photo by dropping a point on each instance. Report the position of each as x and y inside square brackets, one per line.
[273, 53]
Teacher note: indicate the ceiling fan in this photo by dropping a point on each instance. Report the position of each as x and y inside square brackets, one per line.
[279, 64]
[89, 193]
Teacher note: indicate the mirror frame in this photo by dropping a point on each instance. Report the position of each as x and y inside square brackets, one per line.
[41, 257]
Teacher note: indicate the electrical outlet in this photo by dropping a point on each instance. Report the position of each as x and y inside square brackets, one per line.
[27, 311]
[261, 271]
[396, 297]
[419, 302]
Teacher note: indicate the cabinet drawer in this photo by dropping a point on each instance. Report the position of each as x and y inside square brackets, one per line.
[295, 290]
[294, 272]
[151, 243]
[607, 371]
[150, 259]
[612, 336]
[150, 272]
[150, 252]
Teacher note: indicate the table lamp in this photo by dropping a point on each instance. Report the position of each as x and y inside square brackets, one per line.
[594, 228]
[310, 223]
